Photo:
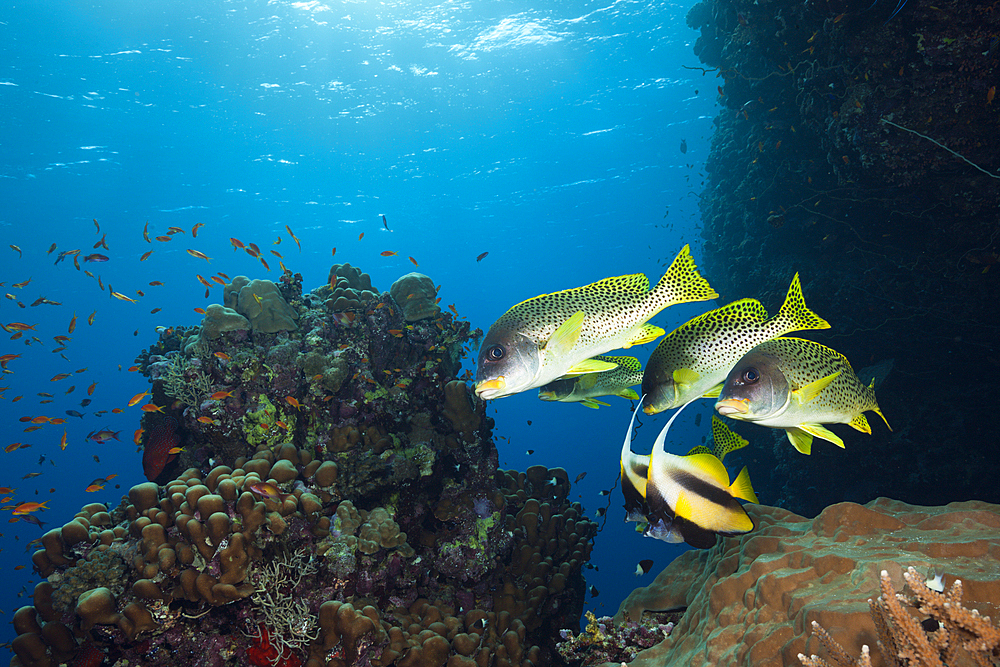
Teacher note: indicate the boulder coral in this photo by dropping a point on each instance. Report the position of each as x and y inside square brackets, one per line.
[308, 522]
[416, 295]
[752, 601]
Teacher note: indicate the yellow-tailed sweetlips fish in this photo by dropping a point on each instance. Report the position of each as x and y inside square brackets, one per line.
[584, 389]
[690, 496]
[694, 358]
[797, 385]
[554, 335]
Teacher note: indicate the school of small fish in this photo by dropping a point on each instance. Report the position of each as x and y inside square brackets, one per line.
[161, 444]
[735, 353]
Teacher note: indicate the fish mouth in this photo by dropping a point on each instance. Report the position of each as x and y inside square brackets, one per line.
[489, 388]
[732, 406]
[547, 395]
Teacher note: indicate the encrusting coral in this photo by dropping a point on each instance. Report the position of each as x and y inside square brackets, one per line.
[312, 520]
[750, 601]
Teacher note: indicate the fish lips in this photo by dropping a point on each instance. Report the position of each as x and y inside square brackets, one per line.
[729, 407]
[487, 389]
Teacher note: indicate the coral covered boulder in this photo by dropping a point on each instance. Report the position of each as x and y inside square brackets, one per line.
[751, 600]
[219, 319]
[262, 304]
[416, 295]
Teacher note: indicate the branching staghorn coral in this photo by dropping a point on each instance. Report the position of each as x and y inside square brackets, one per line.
[962, 636]
[292, 625]
[185, 382]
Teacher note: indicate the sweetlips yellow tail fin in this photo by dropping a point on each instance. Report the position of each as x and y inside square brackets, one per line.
[726, 440]
[590, 366]
[794, 315]
[630, 394]
[699, 449]
[563, 339]
[800, 440]
[715, 391]
[859, 423]
[822, 433]
[681, 283]
[685, 377]
[592, 403]
[811, 390]
[647, 334]
[742, 489]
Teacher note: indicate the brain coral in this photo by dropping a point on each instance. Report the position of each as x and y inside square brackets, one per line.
[416, 295]
[749, 601]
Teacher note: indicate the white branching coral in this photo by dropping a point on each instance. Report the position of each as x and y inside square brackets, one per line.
[292, 626]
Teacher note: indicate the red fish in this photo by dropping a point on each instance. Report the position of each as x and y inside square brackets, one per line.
[160, 439]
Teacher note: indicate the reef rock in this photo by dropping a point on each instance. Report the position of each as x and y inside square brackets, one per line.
[262, 304]
[750, 601]
[219, 319]
[416, 295]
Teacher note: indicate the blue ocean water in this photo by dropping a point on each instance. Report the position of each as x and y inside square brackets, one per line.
[546, 134]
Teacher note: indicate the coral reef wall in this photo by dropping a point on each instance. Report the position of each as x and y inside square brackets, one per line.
[818, 165]
[324, 491]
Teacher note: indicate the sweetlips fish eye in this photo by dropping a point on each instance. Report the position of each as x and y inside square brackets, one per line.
[750, 375]
[495, 353]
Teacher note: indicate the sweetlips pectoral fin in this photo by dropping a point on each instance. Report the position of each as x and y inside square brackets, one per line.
[811, 390]
[800, 440]
[715, 391]
[822, 433]
[630, 394]
[587, 381]
[685, 377]
[590, 366]
[860, 423]
[592, 403]
[563, 339]
[647, 333]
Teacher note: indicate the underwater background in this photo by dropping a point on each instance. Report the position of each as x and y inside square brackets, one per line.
[507, 149]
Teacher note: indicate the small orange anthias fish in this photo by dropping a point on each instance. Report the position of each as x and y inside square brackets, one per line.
[152, 407]
[294, 402]
[389, 253]
[24, 508]
[263, 489]
[219, 395]
[138, 397]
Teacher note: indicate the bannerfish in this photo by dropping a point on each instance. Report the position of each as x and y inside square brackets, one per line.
[690, 498]
[694, 358]
[797, 385]
[584, 389]
[156, 454]
[558, 334]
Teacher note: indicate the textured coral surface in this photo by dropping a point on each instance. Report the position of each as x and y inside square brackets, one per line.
[750, 601]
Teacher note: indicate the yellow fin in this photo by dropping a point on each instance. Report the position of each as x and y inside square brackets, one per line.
[711, 466]
[794, 315]
[646, 334]
[822, 433]
[563, 339]
[726, 440]
[811, 390]
[685, 377]
[860, 423]
[630, 394]
[587, 381]
[715, 391]
[590, 366]
[800, 440]
[592, 403]
[699, 449]
[877, 411]
[741, 488]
